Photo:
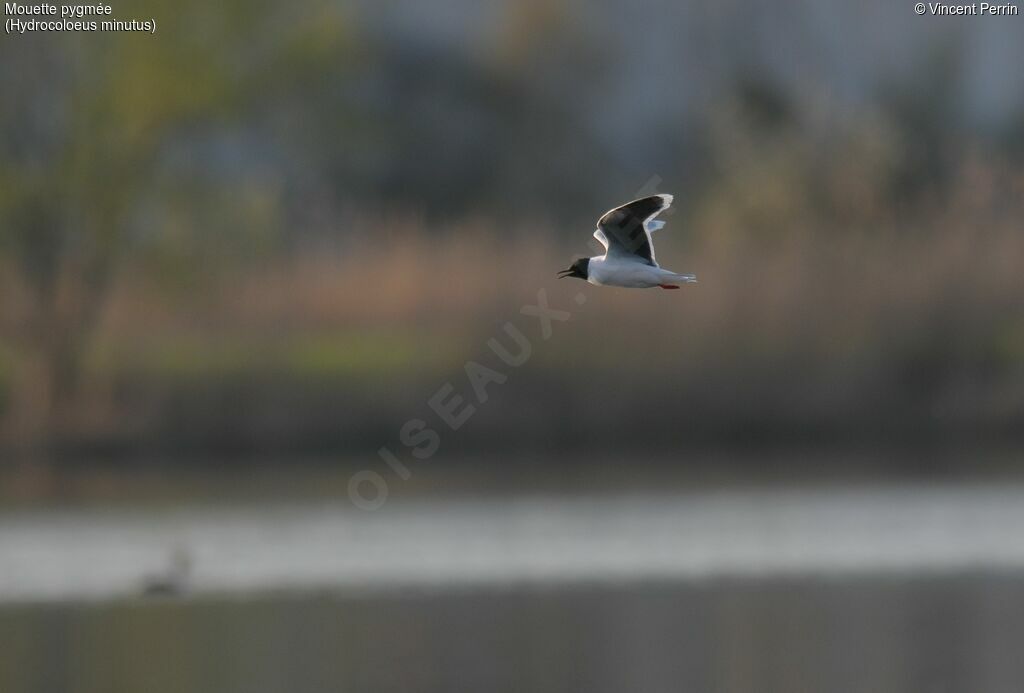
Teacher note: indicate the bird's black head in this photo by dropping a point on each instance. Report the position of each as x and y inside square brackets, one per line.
[580, 269]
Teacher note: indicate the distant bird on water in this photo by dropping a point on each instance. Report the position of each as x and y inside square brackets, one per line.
[173, 580]
[625, 233]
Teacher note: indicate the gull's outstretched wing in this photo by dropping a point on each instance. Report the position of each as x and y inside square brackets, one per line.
[626, 230]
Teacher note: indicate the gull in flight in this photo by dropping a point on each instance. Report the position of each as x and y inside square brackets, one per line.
[625, 233]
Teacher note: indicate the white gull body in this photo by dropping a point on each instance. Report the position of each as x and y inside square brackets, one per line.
[629, 261]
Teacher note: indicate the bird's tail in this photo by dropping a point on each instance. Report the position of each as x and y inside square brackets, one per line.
[685, 278]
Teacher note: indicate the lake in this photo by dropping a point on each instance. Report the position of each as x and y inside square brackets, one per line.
[862, 588]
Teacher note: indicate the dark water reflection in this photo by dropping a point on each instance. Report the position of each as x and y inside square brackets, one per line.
[952, 633]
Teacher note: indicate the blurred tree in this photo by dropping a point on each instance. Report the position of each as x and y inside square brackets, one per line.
[86, 121]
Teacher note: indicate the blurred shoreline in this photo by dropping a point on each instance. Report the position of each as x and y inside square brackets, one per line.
[156, 483]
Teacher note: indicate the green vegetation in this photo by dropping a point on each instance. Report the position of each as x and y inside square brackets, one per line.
[260, 222]
[362, 355]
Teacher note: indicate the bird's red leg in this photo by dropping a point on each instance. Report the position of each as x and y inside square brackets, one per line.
[668, 286]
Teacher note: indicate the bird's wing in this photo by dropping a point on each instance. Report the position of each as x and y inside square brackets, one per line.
[626, 230]
[651, 227]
